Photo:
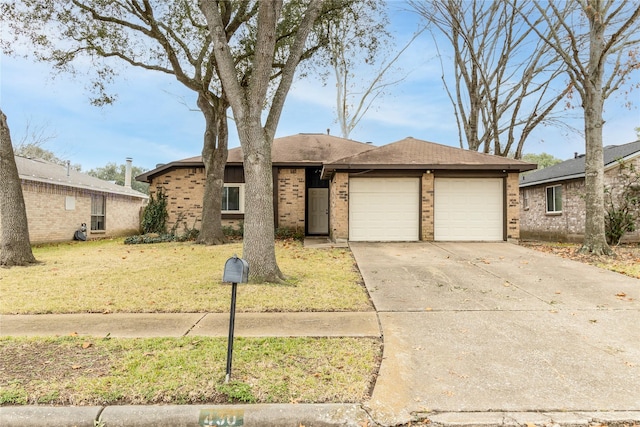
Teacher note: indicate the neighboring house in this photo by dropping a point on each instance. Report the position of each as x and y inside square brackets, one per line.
[552, 199]
[58, 200]
[325, 185]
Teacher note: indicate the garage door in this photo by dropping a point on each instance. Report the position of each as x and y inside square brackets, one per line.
[384, 209]
[468, 209]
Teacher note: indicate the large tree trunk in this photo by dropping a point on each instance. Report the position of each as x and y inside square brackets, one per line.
[595, 240]
[15, 248]
[214, 157]
[258, 243]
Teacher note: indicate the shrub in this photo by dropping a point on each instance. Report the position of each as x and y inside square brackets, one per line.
[155, 215]
[622, 204]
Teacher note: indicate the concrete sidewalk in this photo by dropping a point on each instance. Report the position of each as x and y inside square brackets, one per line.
[150, 325]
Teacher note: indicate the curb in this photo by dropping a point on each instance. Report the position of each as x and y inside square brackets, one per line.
[259, 415]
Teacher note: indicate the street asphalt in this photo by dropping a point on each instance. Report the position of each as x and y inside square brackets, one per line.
[475, 334]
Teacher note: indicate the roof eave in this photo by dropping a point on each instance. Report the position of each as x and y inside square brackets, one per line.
[552, 180]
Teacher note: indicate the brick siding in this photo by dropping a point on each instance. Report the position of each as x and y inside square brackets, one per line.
[567, 226]
[339, 207]
[513, 206]
[49, 220]
[185, 190]
[291, 198]
[427, 207]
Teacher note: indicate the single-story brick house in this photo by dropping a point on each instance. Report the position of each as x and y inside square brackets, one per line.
[552, 203]
[58, 200]
[348, 190]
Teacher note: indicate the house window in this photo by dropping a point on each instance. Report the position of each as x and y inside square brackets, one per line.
[233, 198]
[98, 212]
[554, 199]
[525, 199]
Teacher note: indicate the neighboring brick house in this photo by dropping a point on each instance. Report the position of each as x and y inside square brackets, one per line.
[348, 190]
[58, 200]
[552, 199]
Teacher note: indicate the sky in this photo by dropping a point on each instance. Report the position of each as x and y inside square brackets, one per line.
[155, 119]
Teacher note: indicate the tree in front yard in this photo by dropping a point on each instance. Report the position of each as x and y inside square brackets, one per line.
[599, 44]
[15, 248]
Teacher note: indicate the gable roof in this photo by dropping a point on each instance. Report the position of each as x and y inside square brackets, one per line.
[411, 153]
[39, 170]
[574, 168]
[303, 149]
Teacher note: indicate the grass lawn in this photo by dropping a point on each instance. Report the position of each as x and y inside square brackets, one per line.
[83, 371]
[626, 260]
[108, 276]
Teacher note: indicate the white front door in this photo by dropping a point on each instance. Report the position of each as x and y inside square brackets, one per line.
[318, 211]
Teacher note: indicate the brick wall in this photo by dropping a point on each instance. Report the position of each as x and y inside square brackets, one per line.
[339, 207]
[513, 206]
[427, 207]
[55, 212]
[291, 198]
[185, 190]
[566, 226]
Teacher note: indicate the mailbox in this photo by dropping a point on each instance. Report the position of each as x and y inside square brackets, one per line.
[236, 270]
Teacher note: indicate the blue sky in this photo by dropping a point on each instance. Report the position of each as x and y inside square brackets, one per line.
[155, 119]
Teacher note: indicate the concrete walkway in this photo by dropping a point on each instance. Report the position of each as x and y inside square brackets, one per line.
[475, 334]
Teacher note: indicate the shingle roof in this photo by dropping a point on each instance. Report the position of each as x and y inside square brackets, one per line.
[411, 153]
[574, 168]
[304, 149]
[42, 171]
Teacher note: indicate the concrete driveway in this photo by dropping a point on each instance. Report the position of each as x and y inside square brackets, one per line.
[479, 327]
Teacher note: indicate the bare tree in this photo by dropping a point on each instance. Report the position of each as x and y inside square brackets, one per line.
[358, 43]
[502, 75]
[15, 248]
[247, 85]
[169, 37]
[598, 40]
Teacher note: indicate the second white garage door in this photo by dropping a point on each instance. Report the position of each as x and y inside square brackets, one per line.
[384, 209]
[468, 209]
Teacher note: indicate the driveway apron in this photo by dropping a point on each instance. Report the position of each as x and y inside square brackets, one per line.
[499, 327]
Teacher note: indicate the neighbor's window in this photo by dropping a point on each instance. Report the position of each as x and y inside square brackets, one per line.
[233, 198]
[98, 212]
[525, 199]
[554, 199]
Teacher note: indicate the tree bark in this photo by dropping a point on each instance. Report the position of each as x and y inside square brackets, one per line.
[595, 240]
[214, 157]
[15, 248]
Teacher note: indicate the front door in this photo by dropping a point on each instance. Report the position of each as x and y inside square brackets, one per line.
[318, 211]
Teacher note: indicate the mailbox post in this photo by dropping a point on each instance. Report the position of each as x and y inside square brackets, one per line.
[236, 270]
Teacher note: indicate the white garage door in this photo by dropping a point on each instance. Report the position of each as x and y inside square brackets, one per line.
[384, 209]
[468, 209]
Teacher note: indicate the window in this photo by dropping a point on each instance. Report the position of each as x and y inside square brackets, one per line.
[554, 199]
[525, 199]
[233, 198]
[98, 212]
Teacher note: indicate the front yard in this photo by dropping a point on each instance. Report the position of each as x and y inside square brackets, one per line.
[108, 277]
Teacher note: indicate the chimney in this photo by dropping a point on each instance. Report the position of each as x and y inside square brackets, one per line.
[575, 154]
[328, 131]
[127, 173]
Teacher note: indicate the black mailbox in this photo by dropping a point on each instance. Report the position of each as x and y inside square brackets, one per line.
[236, 270]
